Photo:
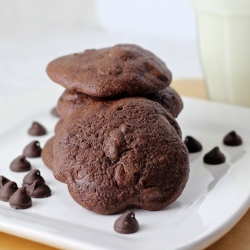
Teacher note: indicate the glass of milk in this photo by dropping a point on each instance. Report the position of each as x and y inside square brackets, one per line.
[224, 43]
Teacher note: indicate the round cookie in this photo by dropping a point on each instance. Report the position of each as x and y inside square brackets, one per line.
[47, 153]
[128, 154]
[122, 70]
[59, 126]
[72, 100]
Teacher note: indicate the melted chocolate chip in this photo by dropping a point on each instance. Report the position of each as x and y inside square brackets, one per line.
[54, 112]
[20, 164]
[126, 223]
[214, 157]
[20, 199]
[192, 145]
[7, 190]
[38, 190]
[232, 139]
[3, 180]
[32, 150]
[33, 175]
[37, 129]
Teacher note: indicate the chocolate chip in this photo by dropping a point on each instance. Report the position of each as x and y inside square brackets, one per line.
[7, 190]
[126, 223]
[32, 150]
[214, 157]
[38, 190]
[192, 145]
[3, 180]
[37, 129]
[232, 139]
[33, 175]
[54, 112]
[114, 145]
[20, 164]
[20, 199]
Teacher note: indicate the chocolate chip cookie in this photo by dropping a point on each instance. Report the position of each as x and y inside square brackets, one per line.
[47, 153]
[72, 100]
[169, 99]
[58, 126]
[122, 70]
[125, 154]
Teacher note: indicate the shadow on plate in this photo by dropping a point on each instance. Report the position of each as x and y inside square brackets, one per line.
[217, 172]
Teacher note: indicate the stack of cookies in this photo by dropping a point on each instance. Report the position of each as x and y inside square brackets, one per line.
[117, 144]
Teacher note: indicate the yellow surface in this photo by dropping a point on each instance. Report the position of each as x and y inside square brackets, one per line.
[192, 88]
[236, 239]
[9, 242]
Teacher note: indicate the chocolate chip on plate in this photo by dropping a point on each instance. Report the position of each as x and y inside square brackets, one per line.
[37, 129]
[20, 199]
[3, 180]
[20, 164]
[192, 145]
[38, 190]
[232, 139]
[214, 157]
[33, 175]
[54, 112]
[7, 190]
[32, 150]
[126, 223]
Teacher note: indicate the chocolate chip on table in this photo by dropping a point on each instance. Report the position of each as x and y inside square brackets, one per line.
[192, 145]
[232, 139]
[7, 190]
[3, 180]
[37, 129]
[54, 112]
[20, 199]
[20, 164]
[126, 223]
[32, 150]
[214, 157]
[38, 190]
[33, 175]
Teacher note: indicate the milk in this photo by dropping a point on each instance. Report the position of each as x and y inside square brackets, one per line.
[224, 43]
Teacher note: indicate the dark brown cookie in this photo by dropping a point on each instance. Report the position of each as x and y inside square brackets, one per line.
[58, 126]
[122, 70]
[72, 100]
[169, 99]
[125, 155]
[47, 153]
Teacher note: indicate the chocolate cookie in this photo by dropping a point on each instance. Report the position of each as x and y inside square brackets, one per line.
[128, 154]
[169, 99]
[122, 70]
[72, 100]
[47, 153]
[58, 126]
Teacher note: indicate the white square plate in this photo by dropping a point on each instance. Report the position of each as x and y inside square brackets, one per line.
[215, 197]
